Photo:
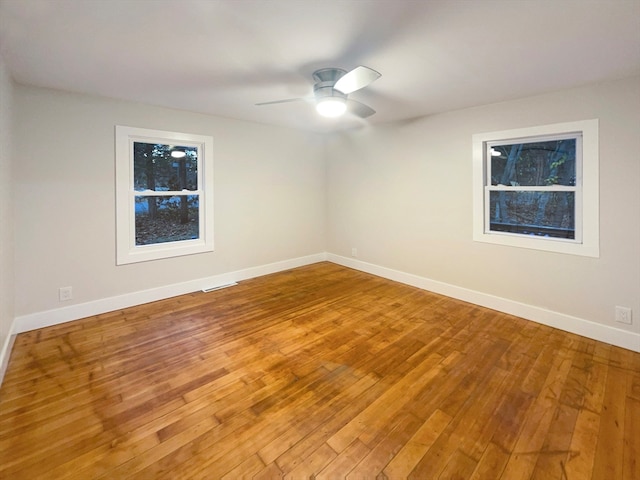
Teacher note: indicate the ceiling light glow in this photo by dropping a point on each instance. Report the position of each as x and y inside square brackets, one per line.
[331, 107]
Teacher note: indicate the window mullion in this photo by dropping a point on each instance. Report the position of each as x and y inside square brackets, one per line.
[532, 188]
[165, 193]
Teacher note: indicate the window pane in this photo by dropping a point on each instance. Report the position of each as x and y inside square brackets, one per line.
[162, 167]
[166, 219]
[534, 163]
[547, 214]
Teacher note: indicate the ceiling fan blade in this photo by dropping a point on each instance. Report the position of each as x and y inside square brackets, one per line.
[281, 101]
[356, 79]
[359, 109]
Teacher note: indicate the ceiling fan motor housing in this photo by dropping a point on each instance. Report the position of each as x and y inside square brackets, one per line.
[325, 89]
[328, 74]
[325, 79]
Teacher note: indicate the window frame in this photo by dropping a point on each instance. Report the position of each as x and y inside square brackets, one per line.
[586, 241]
[126, 249]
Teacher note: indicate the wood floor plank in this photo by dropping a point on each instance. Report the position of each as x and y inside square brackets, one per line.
[330, 418]
[246, 470]
[459, 465]
[582, 450]
[387, 444]
[401, 465]
[491, 464]
[271, 472]
[609, 456]
[556, 446]
[474, 429]
[377, 413]
[317, 372]
[535, 428]
[344, 463]
[631, 451]
[300, 426]
[313, 464]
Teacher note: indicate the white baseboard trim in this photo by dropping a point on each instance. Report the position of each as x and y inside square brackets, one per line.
[25, 323]
[5, 353]
[561, 321]
[579, 326]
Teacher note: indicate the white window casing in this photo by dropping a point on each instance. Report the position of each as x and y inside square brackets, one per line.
[585, 190]
[126, 249]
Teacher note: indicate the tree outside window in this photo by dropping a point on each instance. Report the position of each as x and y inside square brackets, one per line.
[164, 183]
[533, 187]
[160, 171]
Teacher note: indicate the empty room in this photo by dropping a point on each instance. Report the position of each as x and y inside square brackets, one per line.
[304, 239]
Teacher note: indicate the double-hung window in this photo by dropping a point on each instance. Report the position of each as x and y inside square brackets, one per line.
[538, 187]
[164, 194]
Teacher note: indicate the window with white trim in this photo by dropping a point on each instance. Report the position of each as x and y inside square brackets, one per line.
[538, 188]
[164, 194]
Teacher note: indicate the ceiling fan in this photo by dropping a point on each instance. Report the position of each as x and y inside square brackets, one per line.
[332, 89]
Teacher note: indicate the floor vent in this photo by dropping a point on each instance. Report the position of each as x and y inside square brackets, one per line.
[219, 287]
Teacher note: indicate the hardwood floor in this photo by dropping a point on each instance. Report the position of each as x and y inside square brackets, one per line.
[319, 372]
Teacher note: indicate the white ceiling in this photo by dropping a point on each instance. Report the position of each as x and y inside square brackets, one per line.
[220, 57]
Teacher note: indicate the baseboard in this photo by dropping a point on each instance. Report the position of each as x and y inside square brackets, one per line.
[579, 326]
[57, 316]
[568, 323]
[5, 353]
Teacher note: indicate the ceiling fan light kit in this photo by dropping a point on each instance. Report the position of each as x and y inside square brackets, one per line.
[329, 101]
[332, 89]
[331, 107]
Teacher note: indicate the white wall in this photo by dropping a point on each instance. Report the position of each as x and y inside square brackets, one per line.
[401, 195]
[269, 198]
[6, 213]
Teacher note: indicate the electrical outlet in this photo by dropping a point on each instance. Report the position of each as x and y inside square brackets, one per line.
[354, 252]
[623, 315]
[65, 293]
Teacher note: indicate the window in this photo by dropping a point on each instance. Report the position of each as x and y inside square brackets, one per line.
[538, 188]
[164, 194]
